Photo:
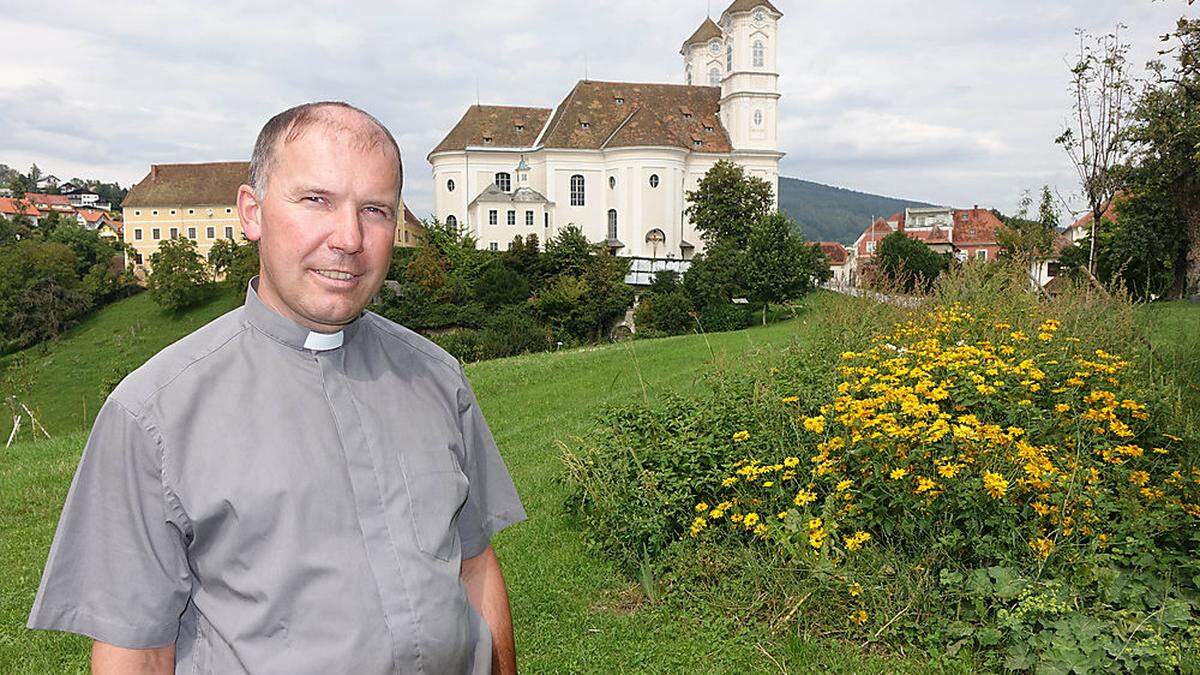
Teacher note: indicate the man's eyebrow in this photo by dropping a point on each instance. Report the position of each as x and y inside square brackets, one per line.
[306, 189]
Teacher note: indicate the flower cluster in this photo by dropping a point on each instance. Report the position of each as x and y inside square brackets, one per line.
[962, 422]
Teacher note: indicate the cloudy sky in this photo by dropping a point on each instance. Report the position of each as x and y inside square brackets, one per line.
[948, 101]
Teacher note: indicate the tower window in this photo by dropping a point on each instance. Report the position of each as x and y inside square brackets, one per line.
[689, 74]
[714, 77]
[612, 223]
[714, 47]
[504, 181]
[450, 185]
[612, 182]
[759, 52]
[450, 220]
[729, 58]
[653, 180]
[758, 118]
[577, 190]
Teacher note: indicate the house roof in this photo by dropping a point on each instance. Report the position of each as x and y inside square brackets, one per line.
[10, 207]
[875, 231]
[1109, 214]
[410, 218]
[707, 31]
[979, 226]
[210, 183]
[48, 202]
[492, 193]
[598, 115]
[834, 251]
[748, 6]
[499, 123]
[93, 215]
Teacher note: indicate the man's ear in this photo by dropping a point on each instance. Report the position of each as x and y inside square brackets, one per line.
[249, 211]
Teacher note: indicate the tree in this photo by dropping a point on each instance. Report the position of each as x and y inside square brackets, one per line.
[40, 294]
[909, 263]
[568, 252]
[1095, 137]
[1027, 239]
[501, 285]
[727, 202]
[779, 265]
[180, 276]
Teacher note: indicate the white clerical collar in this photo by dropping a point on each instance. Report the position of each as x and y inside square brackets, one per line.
[320, 342]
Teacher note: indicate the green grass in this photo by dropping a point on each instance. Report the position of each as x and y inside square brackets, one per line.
[573, 610]
[1173, 329]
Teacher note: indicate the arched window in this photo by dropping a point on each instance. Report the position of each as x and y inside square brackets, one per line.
[612, 223]
[714, 77]
[759, 52]
[452, 221]
[758, 118]
[504, 181]
[577, 190]
[689, 73]
[653, 180]
[450, 185]
[729, 58]
[612, 182]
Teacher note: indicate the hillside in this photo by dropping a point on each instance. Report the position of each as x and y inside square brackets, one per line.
[827, 213]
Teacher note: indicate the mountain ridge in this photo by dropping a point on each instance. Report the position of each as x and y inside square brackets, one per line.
[829, 213]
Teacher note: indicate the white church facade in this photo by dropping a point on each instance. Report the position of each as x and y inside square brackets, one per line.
[616, 158]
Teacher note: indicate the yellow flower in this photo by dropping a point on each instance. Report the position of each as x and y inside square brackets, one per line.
[702, 506]
[697, 525]
[858, 617]
[815, 424]
[760, 529]
[844, 485]
[1042, 547]
[925, 484]
[815, 523]
[856, 540]
[750, 520]
[995, 484]
[816, 538]
[948, 470]
[791, 461]
[897, 474]
[1062, 407]
[804, 498]
[729, 481]
[789, 399]
[741, 436]
[781, 515]
[1018, 336]
[855, 590]
[1139, 478]
[768, 483]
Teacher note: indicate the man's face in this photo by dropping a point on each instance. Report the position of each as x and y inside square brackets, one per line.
[326, 224]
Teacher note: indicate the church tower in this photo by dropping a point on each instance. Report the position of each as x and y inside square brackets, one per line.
[704, 56]
[750, 85]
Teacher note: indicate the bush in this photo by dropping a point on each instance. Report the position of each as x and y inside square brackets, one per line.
[725, 317]
[180, 276]
[989, 473]
[501, 285]
[512, 331]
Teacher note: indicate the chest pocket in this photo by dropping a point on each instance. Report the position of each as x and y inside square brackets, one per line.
[437, 490]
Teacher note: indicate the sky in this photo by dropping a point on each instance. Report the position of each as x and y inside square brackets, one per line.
[954, 102]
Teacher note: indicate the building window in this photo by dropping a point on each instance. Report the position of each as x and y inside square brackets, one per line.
[191, 233]
[229, 233]
[137, 234]
[529, 219]
[210, 212]
[870, 247]
[1053, 268]
[689, 73]
[714, 77]
[450, 185]
[577, 190]
[172, 211]
[512, 218]
[504, 181]
[174, 232]
[653, 180]
[210, 232]
[612, 223]
[154, 212]
[450, 220]
[714, 47]
[981, 254]
[758, 118]
[493, 246]
[137, 213]
[228, 210]
[758, 53]
[493, 216]
[155, 234]
[612, 182]
[191, 212]
[729, 58]
[546, 218]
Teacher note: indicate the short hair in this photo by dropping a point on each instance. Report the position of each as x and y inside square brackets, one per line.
[287, 127]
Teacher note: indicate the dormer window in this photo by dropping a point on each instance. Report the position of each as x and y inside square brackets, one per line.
[708, 128]
[686, 112]
[619, 99]
[487, 140]
[519, 127]
[697, 142]
[584, 125]
[760, 15]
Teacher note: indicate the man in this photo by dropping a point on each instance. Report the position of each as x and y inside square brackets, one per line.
[299, 486]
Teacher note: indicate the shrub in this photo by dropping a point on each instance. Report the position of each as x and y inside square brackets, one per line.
[180, 276]
[501, 285]
[511, 331]
[909, 263]
[726, 316]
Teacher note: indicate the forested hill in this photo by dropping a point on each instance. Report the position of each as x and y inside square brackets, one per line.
[827, 213]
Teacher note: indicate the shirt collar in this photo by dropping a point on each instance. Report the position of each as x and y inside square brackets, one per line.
[289, 332]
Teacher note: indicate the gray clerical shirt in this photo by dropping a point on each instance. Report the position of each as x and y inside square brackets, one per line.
[272, 506]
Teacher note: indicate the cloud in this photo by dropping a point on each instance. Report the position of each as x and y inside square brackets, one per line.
[942, 100]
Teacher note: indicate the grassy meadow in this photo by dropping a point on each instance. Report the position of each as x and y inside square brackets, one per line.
[573, 609]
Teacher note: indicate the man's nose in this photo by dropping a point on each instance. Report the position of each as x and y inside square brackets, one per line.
[347, 235]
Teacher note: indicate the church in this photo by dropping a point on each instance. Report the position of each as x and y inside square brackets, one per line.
[616, 158]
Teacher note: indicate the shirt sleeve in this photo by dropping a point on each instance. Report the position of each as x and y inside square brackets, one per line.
[492, 501]
[117, 570]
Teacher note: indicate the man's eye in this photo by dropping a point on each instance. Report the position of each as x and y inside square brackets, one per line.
[375, 211]
[314, 199]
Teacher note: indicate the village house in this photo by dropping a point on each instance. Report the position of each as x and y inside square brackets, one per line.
[11, 208]
[966, 234]
[616, 158]
[840, 264]
[99, 221]
[48, 203]
[199, 202]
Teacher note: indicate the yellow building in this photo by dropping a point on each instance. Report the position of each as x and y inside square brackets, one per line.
[199, 202]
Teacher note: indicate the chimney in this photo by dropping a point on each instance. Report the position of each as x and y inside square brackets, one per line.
[976, 207]
[153, 171]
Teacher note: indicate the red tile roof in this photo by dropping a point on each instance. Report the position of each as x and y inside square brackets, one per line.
[93, 215]
[836, 253]
[10, 207]
[975, 226]
[210, 183]
[1109, 214]
[505, 126]
[40, 198]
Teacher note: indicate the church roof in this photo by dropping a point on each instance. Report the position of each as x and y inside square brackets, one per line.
[623, 114]
[499, 125]
[213, 183]
[748, 6]
[492, 193]
[707, 31]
